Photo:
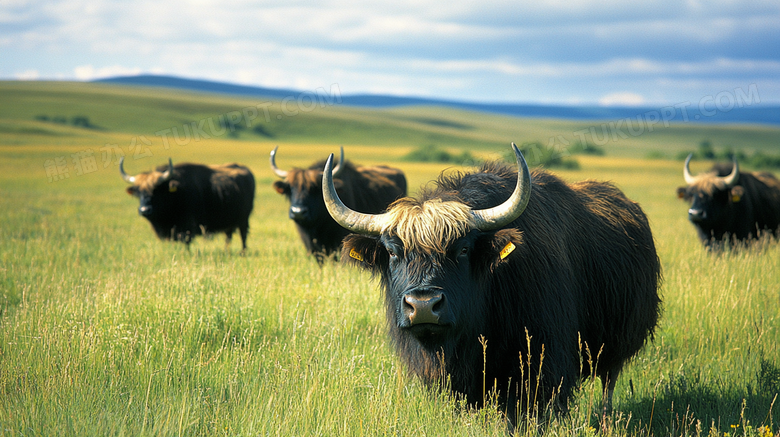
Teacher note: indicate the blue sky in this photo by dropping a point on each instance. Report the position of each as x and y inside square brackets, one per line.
[553, 52]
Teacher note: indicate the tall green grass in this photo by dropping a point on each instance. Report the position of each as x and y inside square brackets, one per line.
[105, 330]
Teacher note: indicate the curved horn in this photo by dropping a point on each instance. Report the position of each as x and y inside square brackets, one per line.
[485, 219]
[732, 178]
[689, 179]
[283, 174]
[168, 173]
[512, 208]
[277, 171]
[125, 177]
[358, 222]
[339, 166]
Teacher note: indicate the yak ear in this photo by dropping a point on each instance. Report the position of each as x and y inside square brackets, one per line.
[681, 192]
[173, 186]
[500, 247]
[132, 190]
[281, 187]
[736, 193]
[365, 252]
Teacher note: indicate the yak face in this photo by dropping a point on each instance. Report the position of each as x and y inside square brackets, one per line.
[429, 295]
[435, 279]
[710, 205]
[712, 196]
[303, 188]
[160, 199]
[156, 201]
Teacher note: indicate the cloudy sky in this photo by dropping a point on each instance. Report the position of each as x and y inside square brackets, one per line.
[541, 51]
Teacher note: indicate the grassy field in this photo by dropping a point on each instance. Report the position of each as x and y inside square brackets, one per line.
[105, 330]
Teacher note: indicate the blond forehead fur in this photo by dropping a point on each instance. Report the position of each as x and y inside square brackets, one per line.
[147, 181]
[707, 183]
[304, 178]
[429, 226]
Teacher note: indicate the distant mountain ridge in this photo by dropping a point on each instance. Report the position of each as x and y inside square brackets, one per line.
[731, 108]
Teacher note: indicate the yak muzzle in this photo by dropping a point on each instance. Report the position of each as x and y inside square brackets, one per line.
[696, 215]
[424, 310]
[145, 211]
[299, 212]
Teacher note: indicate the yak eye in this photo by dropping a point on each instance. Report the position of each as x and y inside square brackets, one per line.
[394, 248]
[464, 251]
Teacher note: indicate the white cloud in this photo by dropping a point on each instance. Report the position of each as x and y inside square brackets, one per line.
[28, 75]
[88, 72]
[622, 99]
[608, 68]
[550, 50]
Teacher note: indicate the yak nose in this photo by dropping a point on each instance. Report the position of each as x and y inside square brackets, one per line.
[426, 309]
[145, 211]
[298, 212]
[696, 215]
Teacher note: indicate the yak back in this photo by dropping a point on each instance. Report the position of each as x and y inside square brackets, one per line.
[372, 188]
[224, 181]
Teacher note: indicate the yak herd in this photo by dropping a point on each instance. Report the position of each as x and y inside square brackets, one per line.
[535, 266]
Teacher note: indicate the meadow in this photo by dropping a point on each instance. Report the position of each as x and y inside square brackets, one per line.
[105, 330]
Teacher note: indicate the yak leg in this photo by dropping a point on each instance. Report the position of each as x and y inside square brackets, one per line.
[244, 230]
[186, 237]
[228, 238]
[608, 380]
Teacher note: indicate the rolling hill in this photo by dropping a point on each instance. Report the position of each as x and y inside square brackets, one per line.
[733, 106]
[65, 114]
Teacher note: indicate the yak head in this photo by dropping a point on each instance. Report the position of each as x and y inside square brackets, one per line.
[434, 256]
[711, 195]
[303, 189]
[158, 192]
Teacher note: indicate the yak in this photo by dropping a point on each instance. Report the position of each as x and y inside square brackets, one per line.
[730, 207]
[366, 189]
[186, 200]
[508, 282]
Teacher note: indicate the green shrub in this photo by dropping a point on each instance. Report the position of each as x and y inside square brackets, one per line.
[538, 155]
[262, 131]
[78, 120]
[432, 153]
[587, 149]
[758, 160]
[82, 121]
[655, 154]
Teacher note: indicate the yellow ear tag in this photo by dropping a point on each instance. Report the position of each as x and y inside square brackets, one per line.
[735, 198]
[172, 188]
[355, 254]
[507, 250]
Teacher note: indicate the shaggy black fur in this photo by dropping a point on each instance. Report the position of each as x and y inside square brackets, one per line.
[196, 199]
[583, 279]
[736, 215]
